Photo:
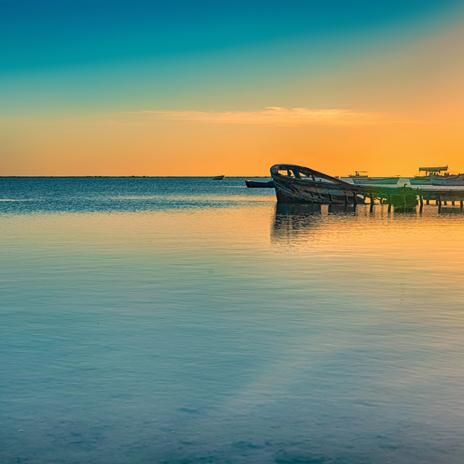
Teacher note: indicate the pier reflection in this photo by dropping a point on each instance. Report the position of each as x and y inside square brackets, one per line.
[296, 225]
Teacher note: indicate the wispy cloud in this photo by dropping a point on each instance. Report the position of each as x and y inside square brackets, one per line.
[272, 115]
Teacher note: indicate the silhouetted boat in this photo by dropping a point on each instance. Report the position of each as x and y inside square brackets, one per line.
[259, 184]
[221, 177]
[298, 184]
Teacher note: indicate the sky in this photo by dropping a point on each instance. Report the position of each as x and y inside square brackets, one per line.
[205, 87]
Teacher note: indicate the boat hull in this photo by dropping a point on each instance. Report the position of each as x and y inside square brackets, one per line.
[457, 181]
[445, 181]
[315, 188]
[313, 192]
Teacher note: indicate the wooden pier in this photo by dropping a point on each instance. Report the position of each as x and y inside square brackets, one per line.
[407, 198]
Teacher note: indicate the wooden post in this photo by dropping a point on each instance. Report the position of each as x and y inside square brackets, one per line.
[462, 205]
[421, 202]
[439, 204]
[371, 207]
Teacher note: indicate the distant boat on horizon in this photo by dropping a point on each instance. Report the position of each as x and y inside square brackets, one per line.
[221, 177]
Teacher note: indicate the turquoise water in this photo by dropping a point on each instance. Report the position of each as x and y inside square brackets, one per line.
[191, 321]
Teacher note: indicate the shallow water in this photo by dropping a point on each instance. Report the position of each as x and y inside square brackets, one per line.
[191, 321]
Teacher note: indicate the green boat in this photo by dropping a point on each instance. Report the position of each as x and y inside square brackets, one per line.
[361, 178]
[375, 180]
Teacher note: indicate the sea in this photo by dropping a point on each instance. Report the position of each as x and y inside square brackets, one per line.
[187, 320]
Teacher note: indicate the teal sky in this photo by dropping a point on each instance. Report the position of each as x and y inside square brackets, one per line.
[69, 56]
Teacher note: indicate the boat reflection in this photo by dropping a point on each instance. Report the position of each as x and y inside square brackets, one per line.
[292, 219]
[341, 209]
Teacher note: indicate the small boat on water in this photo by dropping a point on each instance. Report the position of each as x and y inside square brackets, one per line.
[438, 176]
[221, 177]
[375, 180]
[259, 184]
[431, 173]
[361, 178]
[449, 180]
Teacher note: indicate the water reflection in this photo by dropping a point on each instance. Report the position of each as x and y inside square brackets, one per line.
[342, 209]
[195, 335]
[451, 210]
[297, 224]
[293, 219]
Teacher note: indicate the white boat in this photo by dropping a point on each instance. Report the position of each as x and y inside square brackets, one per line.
[438, 176]
[361, 178]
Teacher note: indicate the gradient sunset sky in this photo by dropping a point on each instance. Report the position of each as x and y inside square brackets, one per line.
[218, 87]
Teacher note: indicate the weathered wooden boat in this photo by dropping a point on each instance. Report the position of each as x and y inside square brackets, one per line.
[221, 177]
[298, 184]
[259, 184]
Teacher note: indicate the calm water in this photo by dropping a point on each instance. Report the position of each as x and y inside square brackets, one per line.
[190, 321]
